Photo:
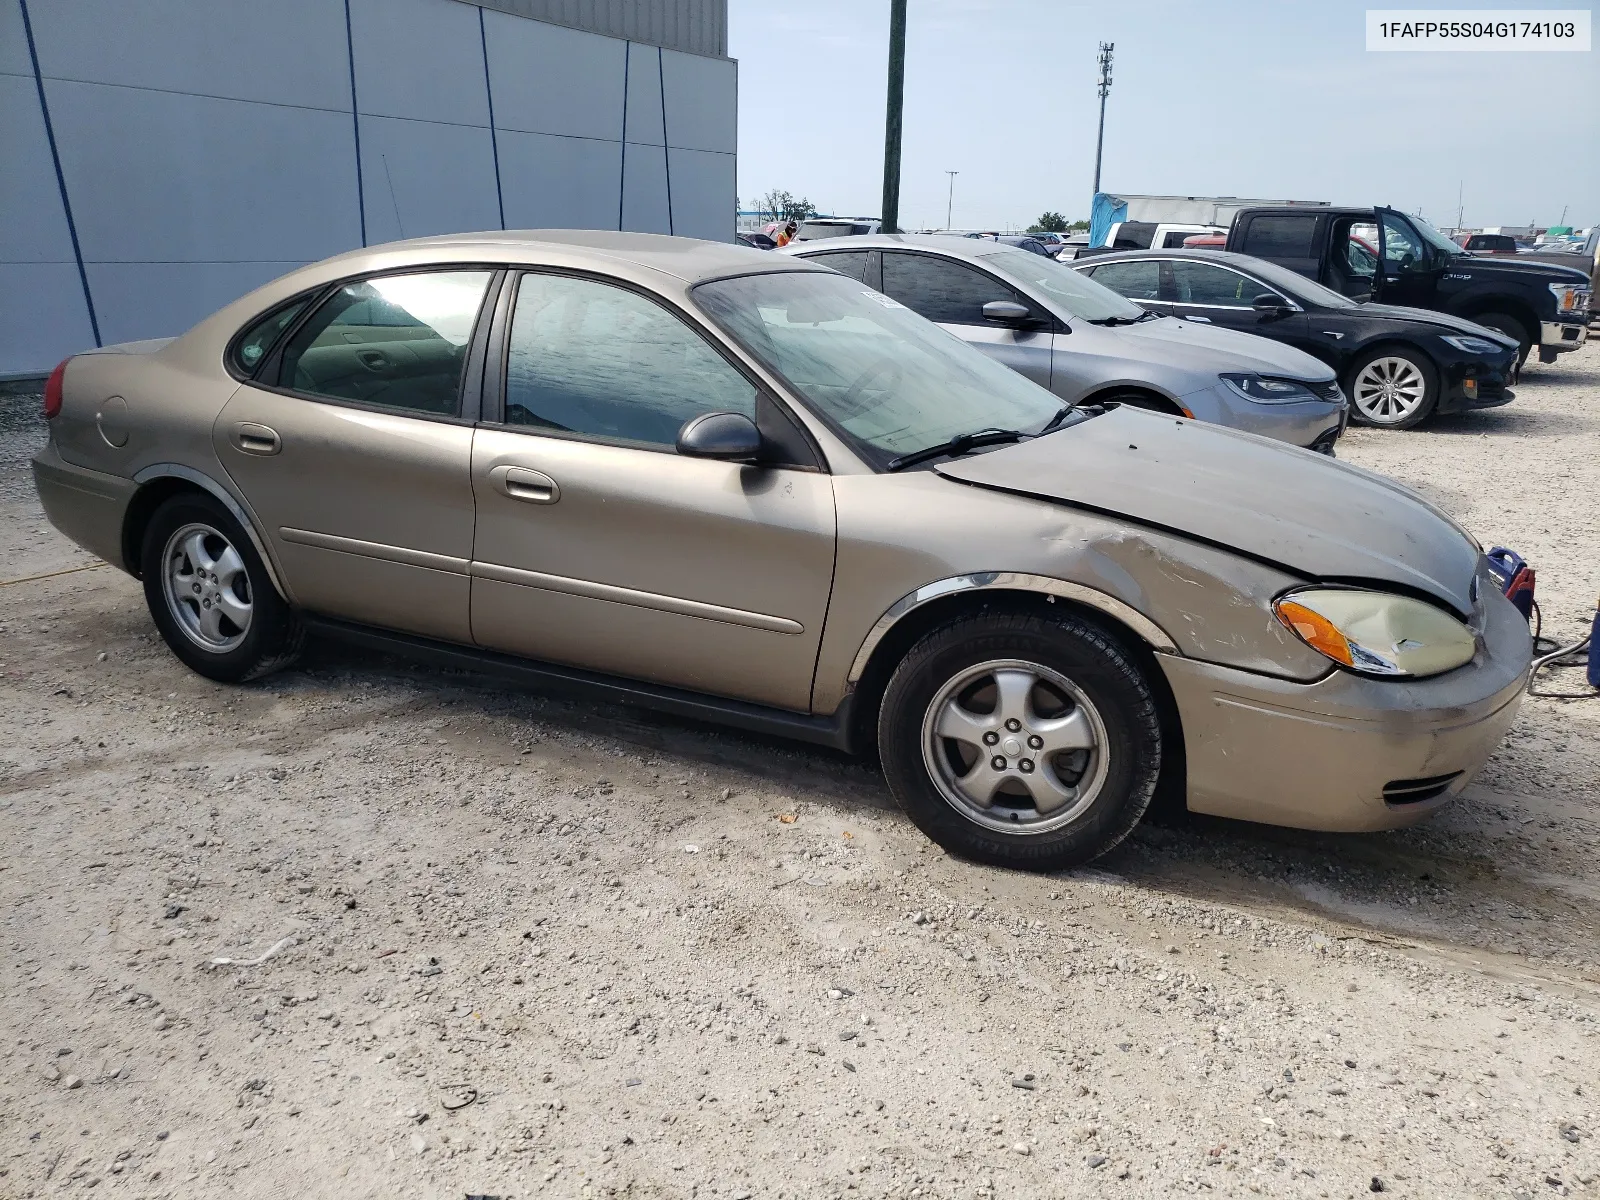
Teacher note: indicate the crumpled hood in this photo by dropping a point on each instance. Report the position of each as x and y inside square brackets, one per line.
[1317, 517]
[1210, 349]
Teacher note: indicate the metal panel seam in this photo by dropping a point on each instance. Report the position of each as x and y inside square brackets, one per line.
[622, 171]
[666, 145]
[61, 179]
[494, 137]
[355, 120]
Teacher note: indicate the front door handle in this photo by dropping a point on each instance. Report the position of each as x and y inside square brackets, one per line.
[521, 483]
[256, 439]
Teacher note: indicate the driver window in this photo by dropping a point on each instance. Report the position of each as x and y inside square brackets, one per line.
[602, 362]
[947, 292]
[1402, 249]
[1203, 283]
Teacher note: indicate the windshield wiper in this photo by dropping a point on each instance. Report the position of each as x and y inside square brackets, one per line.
[1123, 320]
[959, 444]
[1059, 418]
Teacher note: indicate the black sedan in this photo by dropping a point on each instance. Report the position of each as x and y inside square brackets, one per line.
[1398, 366]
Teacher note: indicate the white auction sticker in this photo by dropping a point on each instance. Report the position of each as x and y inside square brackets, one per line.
[1478, 29]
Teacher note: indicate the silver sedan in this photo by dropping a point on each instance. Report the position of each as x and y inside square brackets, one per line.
[1087, 344]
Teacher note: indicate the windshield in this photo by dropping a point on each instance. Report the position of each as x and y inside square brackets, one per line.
[1434, 238]
[1073, 293]
[889, 380]
[1298, 286]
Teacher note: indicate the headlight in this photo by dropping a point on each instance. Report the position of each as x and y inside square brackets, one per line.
[1570, 297]
[1268, 391]
[1471, 345]
[1376, 633]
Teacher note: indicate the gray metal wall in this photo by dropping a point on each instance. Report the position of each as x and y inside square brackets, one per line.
[693, 26]
[210, 145]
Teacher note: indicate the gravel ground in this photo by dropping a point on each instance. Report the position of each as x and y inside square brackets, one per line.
[491, 943]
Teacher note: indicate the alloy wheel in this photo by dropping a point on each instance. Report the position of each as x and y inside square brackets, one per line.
[1388, 390]
[207, 588]
[1015, 746]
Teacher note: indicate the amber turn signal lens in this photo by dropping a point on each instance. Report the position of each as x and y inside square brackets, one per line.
[1315, 630]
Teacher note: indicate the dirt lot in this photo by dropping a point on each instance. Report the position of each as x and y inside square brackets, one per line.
[518, 946]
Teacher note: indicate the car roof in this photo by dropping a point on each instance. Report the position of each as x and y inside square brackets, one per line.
[942, 243]
[688, 259]
[1242, 262]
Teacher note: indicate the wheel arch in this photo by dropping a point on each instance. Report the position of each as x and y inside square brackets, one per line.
[918, 612]
[1162, 401]
[1511, 306]
[160, 482]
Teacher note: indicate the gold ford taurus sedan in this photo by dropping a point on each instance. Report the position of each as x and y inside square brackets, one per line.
[749, 489]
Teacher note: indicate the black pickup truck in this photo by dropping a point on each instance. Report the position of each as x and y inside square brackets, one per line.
[1385, 255]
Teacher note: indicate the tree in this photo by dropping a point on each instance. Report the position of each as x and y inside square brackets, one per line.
[785, 206]
[1078, 227]
[1050, 222]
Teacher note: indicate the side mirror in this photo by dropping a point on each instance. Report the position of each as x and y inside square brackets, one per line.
[729, 436]
[1006, 312]
[1267, 304]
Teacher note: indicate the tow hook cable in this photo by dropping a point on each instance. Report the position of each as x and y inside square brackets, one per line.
[1516, 580]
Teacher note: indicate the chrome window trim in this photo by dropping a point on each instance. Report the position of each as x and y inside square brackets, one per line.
[1015, 581]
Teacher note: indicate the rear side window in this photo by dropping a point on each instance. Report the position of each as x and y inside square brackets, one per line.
[251, 350]
[1281, 237]
[847, 262]
[950, 293]
[1135, 280]
[398, 341]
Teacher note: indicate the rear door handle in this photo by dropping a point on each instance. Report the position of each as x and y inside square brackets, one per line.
[521, 483]
[256, 439]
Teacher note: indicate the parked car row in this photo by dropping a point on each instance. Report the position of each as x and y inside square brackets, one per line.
[1089, 345]
[744, 487]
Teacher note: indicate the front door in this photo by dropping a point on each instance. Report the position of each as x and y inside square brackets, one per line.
[355, 456]
[599, 546]
[1221, 296]
[1407, 276]
[953, 295]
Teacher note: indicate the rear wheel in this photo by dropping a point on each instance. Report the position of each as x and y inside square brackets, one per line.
[1021, 739]
[209, 593]
[1507, 324]
[1393, 388]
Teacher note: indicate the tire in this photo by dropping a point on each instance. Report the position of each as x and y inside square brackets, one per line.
[1507, 324]
[1393, 387]
[1087, 696]
[209, 593]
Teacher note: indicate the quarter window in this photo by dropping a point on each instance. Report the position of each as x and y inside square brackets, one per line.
[397, 341]
[252, 349]
[600, 361]
[1135, 280]
[950, 293]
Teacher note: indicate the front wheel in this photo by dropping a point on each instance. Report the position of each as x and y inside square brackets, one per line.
[1393, 388]
[1507, 324]
[208, 592]
[1021, 739]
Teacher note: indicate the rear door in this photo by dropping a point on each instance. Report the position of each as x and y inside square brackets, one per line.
[599, 546]
[1288, 239]
[953, 294]
[353, 447]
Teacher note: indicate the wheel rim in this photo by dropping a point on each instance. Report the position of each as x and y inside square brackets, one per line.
[207, 588]
[1015, 746]
[1389, 390]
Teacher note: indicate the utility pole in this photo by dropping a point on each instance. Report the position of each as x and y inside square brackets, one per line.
[950, 200]
[890, 213]
[1461, 209]
[1104, 59]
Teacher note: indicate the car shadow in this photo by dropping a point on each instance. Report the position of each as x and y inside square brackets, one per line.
[1513, 421]
[1467, 881]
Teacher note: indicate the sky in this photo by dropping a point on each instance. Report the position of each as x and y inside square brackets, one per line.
[1273, 100]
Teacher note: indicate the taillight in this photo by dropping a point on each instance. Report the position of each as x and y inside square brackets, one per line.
[52, 391]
